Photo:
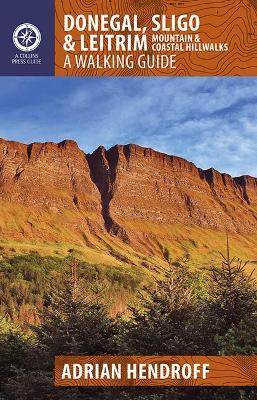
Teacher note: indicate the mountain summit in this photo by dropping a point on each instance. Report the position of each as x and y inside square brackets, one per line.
[127, 199]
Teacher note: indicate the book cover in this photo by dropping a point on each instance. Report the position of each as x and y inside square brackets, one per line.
[128, 200]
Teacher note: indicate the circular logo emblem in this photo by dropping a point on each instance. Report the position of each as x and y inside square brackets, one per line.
[26, 37]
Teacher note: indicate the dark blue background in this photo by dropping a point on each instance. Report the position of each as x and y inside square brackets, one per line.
[36, 12]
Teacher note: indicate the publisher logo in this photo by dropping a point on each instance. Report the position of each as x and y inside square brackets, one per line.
[26, 37]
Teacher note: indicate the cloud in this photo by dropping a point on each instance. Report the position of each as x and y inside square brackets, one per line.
[210, 121]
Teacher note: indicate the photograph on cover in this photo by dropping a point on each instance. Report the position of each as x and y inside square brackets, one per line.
[128, 224]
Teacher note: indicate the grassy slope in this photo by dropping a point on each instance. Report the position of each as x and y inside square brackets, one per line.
[118, 267]
[24, 230]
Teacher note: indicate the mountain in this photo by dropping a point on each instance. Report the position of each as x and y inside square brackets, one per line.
[125, 205]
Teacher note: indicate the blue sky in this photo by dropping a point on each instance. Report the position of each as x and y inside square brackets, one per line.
[210, 121]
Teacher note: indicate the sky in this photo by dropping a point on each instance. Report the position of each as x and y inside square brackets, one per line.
[209, 121]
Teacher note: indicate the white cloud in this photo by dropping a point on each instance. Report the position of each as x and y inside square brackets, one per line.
[210, 121]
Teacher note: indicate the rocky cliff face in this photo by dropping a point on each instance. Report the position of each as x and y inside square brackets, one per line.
[125, 187]
[47, 174]
[144, 185]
